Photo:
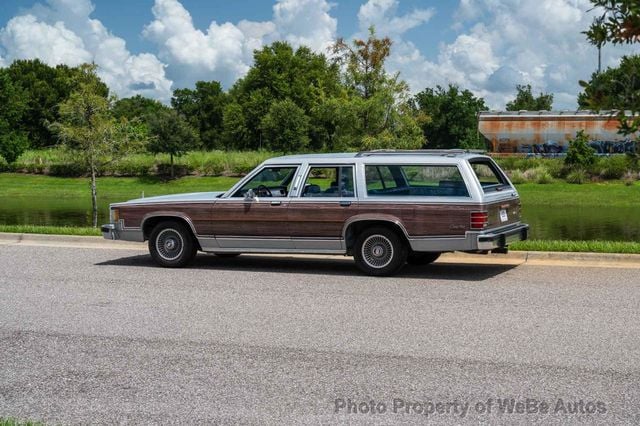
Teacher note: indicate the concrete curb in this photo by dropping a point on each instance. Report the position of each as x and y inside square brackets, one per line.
[512, 258]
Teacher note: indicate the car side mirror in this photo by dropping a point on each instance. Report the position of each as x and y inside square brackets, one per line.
[250, 195]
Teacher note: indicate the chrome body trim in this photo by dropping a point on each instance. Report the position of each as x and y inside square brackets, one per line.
[500, 239]
[168, 213]
[115, 231]
[373, 217]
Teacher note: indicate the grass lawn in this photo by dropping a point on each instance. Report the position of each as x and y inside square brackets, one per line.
[23, 185]
[614, 194]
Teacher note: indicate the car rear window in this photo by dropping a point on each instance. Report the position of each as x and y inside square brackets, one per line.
[415, 180]
[489, 175]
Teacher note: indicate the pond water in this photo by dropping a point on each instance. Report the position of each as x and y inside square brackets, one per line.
[566, 223]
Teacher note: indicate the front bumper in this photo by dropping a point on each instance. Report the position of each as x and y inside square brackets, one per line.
[115, 231]
[109, 231]
[501, 239]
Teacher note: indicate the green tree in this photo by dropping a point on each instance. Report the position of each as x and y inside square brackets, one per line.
[580, 155]
[235, 133]
[13, 142]
[375, 113]
[285, 127]
[364, 61]
[203, 108]
[44, 88]
[451, 117]
[526, 101]
[136, 108]
[279, 72]
[619, 22]
[615, 89]
[171, 134]
[88, 129]
[597, 36]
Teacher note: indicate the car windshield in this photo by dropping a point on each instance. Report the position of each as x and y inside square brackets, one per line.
[269, 182]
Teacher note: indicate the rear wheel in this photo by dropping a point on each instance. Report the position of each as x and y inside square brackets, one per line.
[422, 258]
[379, 251]
[172, 244]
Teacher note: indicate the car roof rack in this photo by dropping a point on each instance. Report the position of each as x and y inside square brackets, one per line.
[442, 152]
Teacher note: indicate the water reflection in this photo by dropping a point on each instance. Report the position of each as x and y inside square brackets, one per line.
[566, 223]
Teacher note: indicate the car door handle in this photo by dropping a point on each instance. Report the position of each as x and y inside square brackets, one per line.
[345, 203]
[276, 203]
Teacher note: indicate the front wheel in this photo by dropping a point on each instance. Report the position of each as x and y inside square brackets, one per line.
[380, 252]
[172, 245]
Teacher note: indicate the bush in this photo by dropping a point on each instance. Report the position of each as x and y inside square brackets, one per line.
[580, 154]
[67, 170]
[538, 175]
[133, 165]
[613, 167]
[12, 145]
[4, 166]
[516, 177]
[179, 170]
[577, 176]
[630, 178]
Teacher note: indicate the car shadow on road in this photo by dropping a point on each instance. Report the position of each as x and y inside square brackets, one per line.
[342, 266]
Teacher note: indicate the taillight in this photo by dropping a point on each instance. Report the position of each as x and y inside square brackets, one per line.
[479, 220]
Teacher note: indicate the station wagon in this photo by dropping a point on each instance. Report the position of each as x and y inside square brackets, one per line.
[385, 208]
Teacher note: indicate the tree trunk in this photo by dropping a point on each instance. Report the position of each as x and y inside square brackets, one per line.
[94, 197]
[171, 155]
[599, 58]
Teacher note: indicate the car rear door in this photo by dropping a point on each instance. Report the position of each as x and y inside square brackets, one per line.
[326, 199]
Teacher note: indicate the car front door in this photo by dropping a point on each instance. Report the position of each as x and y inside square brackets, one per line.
[325, 201]
[254, 216]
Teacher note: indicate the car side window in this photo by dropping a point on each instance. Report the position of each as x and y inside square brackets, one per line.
[416, 180]
[269, 182]
[329, 181]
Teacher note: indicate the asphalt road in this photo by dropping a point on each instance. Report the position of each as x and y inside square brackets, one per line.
[103, 336]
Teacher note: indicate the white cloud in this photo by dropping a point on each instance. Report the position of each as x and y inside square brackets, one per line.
[225, 50]
[25, 37]
[502, 43]
[382, 15]
[62, 32]
[305, 22]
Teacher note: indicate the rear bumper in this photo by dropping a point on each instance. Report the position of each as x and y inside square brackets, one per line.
[501, 239]
[114, 231]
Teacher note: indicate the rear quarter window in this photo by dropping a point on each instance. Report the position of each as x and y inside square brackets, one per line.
[489, 175]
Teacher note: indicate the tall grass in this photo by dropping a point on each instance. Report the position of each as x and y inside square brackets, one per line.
[59, 162]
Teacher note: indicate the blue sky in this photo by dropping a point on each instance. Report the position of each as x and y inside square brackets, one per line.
[154, 46]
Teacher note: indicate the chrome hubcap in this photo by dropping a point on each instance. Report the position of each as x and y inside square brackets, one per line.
[169, 244]
[377, 251]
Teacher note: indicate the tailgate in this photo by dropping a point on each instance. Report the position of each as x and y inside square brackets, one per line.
[502, 213]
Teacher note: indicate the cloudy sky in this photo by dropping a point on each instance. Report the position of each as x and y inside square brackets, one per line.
[152, 47]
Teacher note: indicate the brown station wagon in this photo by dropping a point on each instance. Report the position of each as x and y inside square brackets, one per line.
[384, 208]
